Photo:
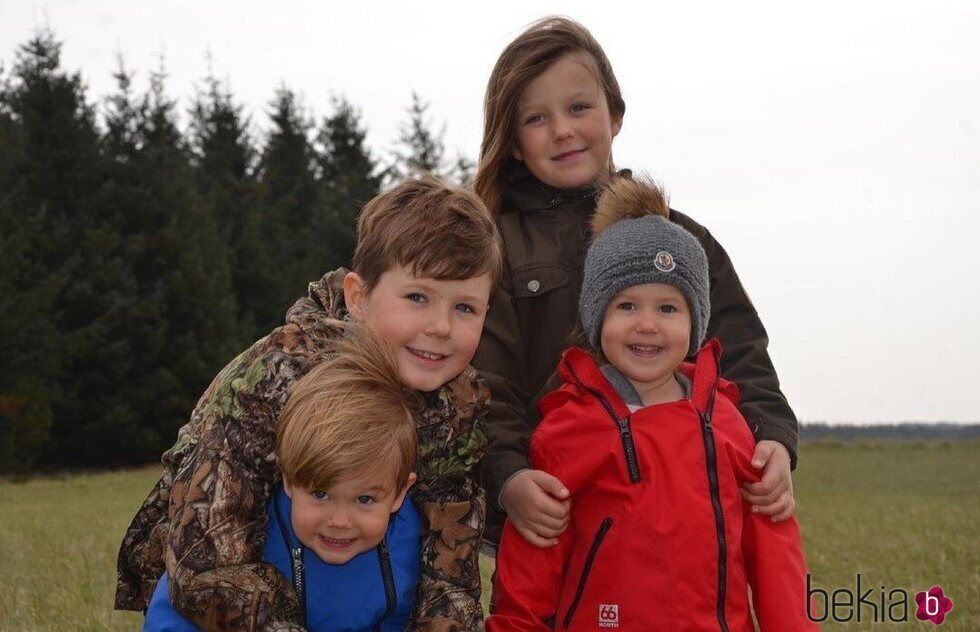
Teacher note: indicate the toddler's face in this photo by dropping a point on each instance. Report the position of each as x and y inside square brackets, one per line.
[346, 519]
[646, 333]
[433, 325]
[564, 129]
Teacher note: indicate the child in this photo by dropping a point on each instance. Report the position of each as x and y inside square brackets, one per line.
[339, 526]
[652, 453]
[426, 258]
[553, 108]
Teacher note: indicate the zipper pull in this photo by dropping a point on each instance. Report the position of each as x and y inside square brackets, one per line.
[705, 419]
[297, 555]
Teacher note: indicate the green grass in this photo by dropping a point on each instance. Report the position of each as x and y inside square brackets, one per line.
[904, 515]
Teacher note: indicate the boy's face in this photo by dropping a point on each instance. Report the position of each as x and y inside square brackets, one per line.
[646, 333]
[434, 326]
[348, 518]
[564, 128]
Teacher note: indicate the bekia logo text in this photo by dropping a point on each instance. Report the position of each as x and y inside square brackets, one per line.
[878, 605]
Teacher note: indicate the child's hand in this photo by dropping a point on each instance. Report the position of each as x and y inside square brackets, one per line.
[773, 495]
[536, 504]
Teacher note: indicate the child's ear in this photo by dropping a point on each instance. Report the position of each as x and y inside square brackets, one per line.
[617, 124]
[515, 151]
[355, 291]
[287, 488]
[401, 497]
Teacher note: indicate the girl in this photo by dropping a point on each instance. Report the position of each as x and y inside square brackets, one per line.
[653, 450]
[553, 107]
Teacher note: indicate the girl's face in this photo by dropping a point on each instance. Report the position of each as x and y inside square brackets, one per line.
[646, 332]
[564, 129]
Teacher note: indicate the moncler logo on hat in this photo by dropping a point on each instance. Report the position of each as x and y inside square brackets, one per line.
[664, 261]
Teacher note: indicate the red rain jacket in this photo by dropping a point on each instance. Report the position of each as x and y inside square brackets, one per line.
[659, 537]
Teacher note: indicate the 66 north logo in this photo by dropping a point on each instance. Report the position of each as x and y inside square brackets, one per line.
[608, 615]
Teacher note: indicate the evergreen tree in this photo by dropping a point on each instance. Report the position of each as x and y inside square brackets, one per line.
[289, 207]
[182, 270]
[349, 177]
[73, 245]
[27, 360]
[421, 150]
[224, 157]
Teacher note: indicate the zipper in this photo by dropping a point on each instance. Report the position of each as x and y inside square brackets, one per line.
[590, 558]
[388, 579]
[298, 568]
[711, 464]
[623, 425]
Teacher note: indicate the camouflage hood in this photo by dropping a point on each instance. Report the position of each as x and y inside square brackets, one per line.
[325, 295]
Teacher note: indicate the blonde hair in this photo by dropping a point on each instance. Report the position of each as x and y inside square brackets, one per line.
[436, 230]
[529, 55]
[347, 416]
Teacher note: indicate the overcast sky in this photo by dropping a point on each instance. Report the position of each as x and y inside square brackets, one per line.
[833, 147]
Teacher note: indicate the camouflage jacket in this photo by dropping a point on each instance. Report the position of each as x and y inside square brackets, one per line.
[204, 521]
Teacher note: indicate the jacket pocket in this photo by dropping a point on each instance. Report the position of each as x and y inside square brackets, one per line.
[537, 279]
[600, 535]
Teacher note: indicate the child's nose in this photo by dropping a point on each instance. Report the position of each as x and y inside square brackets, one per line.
[646, 323]
[561, 128]
[439, 324]
[338, 518]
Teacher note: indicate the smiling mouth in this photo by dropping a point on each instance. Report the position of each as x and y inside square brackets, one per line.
[645, 350]
[336, 543]
[428, 356]
[568, 154]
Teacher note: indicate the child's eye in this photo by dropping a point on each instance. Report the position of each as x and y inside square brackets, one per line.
[415, 297]
[364, 499]
[319, 494]
[534, 118]
[668, 309]
[627, 306]
[580, 107]
[466, 308]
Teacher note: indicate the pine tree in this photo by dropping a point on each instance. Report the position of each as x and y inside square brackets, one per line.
[289, 207]
[225, 161]
[421, 150]
[74, 251]
[349, 177]
[182, 268]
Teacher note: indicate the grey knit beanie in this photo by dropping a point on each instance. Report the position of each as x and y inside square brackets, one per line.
[649, 249]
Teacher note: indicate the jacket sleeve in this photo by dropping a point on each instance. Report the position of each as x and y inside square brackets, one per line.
[217, 506]
[776, 572]
[735, 322]
[500, 359]
[529, 580]
[451, 440]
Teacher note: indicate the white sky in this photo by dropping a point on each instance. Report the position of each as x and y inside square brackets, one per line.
[832, 147]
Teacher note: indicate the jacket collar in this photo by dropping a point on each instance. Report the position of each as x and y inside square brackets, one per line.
[579, 368]
[525, 193]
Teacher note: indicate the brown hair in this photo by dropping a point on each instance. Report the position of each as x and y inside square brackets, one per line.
[438, 231]
[628, 198]
[530, 54]
[346, 416]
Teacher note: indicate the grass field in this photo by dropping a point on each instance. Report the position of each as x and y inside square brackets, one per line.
[903, 515]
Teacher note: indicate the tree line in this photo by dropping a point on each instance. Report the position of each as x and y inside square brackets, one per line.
[137, 256]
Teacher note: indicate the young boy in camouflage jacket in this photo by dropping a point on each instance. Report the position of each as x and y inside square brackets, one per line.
[426, 259]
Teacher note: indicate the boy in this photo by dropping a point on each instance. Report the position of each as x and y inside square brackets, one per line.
[425, 260]
[339, 526]
[653, 452]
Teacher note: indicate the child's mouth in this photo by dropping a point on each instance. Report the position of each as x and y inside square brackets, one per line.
[427, 356]
[646, 350]
[335, 543]
[568, 154]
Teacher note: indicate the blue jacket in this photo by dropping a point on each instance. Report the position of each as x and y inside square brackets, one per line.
[339, 598]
